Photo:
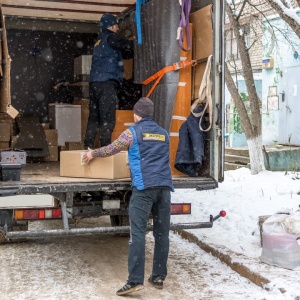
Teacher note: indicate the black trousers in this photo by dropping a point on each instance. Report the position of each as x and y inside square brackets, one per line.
[102, 112]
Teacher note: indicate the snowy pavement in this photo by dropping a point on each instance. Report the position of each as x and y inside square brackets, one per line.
[94, 267]
[245, 197]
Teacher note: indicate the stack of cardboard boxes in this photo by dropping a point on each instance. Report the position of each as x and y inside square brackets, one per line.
[71, 164]
[124, 118]
[4, 135]
[52, 141]
[6, 130]
[10, 164]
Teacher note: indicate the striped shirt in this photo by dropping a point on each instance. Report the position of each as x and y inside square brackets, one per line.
[124, 141]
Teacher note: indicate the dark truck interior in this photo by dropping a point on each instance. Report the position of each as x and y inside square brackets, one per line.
[42, 72]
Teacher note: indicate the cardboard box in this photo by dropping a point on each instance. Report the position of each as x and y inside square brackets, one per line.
[81, 89]
[124, 119]
[11, 111]
[51, 137]
[13, 157]
[5, 131]
[202, 42]
[10, 172]
[4, 118]
[112, 167]
[74, 146]
[4, 145]
[128, 68]
[82, 64]
[13, 141]
[82, 78]
[45, 125]
[84, 103]
[53, 154]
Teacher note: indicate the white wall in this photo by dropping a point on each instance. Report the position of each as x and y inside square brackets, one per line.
[283, 55]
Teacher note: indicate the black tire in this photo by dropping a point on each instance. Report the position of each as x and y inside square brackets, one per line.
[120, 220]
[20, 226]
[3, 240]
[6, 220]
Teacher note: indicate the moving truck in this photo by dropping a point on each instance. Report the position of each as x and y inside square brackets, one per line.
[46, 47]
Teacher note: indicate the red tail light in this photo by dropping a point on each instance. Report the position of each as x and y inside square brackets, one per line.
[41, 214]
[37, 214]
[181, 208]
[56, 213]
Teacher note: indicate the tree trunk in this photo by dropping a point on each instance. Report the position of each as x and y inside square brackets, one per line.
[257, 163]
[251, 121]
[247, 72]
[237, 99]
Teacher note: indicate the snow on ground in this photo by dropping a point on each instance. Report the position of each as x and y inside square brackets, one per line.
[213, 279]
[244, 197]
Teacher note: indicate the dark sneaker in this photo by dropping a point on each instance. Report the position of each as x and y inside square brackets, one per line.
[129, 288]
[156, 282]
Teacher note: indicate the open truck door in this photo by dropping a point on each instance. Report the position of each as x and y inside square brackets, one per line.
[175, 71]
[47, 39]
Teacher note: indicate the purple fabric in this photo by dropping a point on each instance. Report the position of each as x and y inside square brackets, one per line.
[184, 23]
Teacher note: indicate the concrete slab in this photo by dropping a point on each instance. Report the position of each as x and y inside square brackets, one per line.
[277, 157]
[237, 151]
[237, 159]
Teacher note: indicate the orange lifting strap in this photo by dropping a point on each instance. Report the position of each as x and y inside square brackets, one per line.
[158, 76]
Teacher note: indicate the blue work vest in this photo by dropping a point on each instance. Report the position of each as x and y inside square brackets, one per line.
[107, 63]
[149, 156]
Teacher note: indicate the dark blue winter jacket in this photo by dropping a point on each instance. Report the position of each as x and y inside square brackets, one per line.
[107, 63]
[190, 151]
[149, 156]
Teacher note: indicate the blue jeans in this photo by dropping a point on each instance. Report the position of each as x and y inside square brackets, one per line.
[158, 202]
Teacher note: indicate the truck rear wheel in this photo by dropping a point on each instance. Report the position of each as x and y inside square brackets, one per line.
[2, 237]
[120, 220]
[19, 226]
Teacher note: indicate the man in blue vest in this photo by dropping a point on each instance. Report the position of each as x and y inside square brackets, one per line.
[148, 153]
[106, 77]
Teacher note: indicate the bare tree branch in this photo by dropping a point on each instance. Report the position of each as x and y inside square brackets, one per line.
[285, 3]
[241, 10]
[292, 22]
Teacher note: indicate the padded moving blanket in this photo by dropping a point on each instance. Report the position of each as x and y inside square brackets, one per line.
[159, 20]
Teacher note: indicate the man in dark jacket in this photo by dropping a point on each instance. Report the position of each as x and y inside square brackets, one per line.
[105, 78]
[148, 153]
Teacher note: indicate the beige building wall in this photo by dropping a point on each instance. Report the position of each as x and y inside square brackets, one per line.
[253, 19]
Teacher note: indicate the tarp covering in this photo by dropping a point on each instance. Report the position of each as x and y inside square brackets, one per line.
[159, 21]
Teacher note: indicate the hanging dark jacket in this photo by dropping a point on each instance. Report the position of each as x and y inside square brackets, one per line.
[149, 156]
[190, 151]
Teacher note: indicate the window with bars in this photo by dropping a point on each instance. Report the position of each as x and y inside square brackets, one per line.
[232, 52]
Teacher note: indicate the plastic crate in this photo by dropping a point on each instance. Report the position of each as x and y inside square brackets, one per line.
[10, 172]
